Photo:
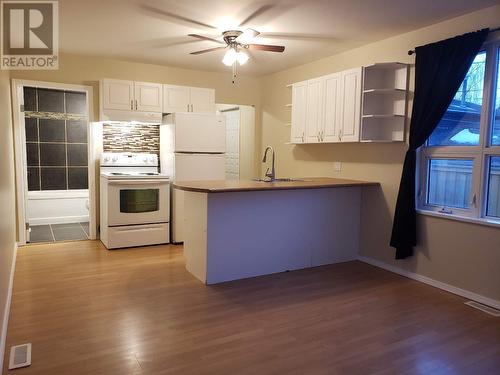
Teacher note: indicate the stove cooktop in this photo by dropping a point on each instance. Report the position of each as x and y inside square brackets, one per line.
[134, 175]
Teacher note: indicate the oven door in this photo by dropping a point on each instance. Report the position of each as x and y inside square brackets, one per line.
[138, 202]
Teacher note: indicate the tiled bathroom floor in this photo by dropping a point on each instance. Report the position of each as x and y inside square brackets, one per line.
[59, 232]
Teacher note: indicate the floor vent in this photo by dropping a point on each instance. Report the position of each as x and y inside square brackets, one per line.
[20, 356]
[483, 308]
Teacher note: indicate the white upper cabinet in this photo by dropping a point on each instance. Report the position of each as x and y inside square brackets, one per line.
[176, 98]
[350, 112]
[314, 114]
[328, 108]
[299, 111]
[148, 96]
[118, 94]
[202, 100]
[131, 96]
[188, 99]
[331, 122]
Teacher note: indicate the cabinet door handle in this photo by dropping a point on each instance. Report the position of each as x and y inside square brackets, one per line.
[132, 105]
[136, 104]
[302, 137]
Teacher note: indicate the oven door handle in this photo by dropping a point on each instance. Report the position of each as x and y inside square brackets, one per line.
[138, 182]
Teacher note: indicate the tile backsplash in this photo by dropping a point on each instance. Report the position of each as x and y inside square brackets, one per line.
[131, 137]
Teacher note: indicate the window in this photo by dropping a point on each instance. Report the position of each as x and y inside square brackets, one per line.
[459, 171]
[56, 139]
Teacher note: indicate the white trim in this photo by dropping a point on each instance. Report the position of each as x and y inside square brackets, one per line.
[437, 284]
[54, 194]
[59, 220]
[471, 220]
[5, 323]
[20, 157]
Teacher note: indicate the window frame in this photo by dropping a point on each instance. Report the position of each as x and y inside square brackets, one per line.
[480, 154]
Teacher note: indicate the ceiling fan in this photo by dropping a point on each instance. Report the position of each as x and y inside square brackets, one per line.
[236, 41]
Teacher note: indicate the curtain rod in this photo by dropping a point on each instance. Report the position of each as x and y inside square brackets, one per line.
[412, 51]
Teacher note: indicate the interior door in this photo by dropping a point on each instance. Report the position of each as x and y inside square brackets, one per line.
[299, 110]
[332, 102]
[351, 105]
[202, 100]
[148, 97]
[232, 144]
[176, 99]
[196, 132]
[314, 115]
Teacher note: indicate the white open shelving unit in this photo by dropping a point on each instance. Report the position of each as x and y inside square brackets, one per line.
[384, 102]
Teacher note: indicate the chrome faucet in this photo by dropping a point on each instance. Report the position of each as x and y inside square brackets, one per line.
[269, 173]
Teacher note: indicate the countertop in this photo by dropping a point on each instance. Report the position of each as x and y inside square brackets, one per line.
[250, 185]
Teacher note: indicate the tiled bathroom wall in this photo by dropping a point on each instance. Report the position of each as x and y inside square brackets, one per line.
[56, 139]
[131, 137]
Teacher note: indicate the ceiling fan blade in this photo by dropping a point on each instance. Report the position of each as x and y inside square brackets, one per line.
[206, 50]
[160, 12]
[247, 36]
[206, 38]
[305, 37]
[267, 47]
[256, 13]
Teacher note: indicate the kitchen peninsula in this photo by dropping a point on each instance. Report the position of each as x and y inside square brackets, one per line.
[239, 229]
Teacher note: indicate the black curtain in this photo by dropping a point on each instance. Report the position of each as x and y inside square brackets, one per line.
[440, 68]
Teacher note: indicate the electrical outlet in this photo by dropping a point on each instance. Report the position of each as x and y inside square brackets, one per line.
[337, 166]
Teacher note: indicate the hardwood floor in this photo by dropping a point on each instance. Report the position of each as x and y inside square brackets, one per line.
[137, 311]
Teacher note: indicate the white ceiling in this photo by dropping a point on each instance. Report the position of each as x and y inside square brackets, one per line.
[309, 29]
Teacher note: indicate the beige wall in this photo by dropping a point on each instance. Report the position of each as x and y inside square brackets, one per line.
[7, 203]
[461, 254]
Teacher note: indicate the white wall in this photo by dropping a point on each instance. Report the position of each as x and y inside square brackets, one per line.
[58, 206]
[7, 207]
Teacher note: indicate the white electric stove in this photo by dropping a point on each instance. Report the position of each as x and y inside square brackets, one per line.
[134, 200]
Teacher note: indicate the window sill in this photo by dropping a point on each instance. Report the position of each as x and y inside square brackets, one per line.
[483, 221]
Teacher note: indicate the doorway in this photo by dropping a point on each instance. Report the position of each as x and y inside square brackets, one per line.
[53, 162]
[240, 140]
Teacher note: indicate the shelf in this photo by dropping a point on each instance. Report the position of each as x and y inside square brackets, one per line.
[288, 124]
[289, 86]
[384, 91]
[382, 116]
[380, 141]
[288, 105]
[387, 65]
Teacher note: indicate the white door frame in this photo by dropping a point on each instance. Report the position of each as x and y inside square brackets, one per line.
[20, 151]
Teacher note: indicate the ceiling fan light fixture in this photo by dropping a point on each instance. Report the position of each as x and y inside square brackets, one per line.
[230, 57]
[242, 57]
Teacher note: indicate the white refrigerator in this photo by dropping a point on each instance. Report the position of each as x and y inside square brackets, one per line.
[192, 148]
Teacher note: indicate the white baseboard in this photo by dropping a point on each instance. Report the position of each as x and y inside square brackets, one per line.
[59, 220]
[5, 322]
[437, 284]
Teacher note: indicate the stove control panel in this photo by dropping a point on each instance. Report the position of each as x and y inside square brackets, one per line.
[128, 159]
